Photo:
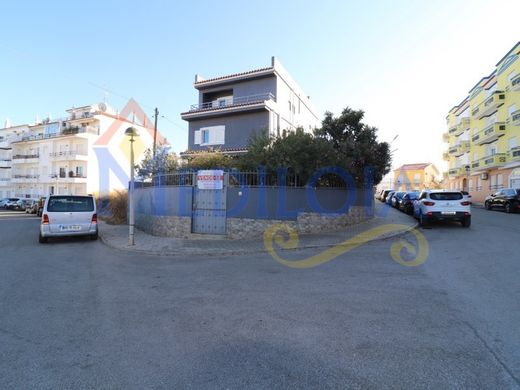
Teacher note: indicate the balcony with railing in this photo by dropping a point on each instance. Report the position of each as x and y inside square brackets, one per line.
[446, 137]
[71, 177]
[229, 103]
[490, 105]
[515, 83]
[514, 118]
[463, 125]
[25, 158]
[5, 163]
[459, 149]
[5, 144]
[64, 132]
[514, 154]
[68, 155]
[452, 130]
[456, 171]
[488, 162]
[489, 134]
[27, 178]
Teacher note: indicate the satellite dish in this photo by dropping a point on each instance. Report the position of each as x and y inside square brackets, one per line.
[102, 107]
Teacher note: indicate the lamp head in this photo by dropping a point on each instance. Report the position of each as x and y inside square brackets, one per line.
[131, 132]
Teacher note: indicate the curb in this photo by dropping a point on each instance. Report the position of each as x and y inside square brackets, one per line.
[251, 251]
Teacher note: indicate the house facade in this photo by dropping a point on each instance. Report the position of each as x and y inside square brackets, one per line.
[85, 152]
[483, 135]
[415, 177]
[232, 108]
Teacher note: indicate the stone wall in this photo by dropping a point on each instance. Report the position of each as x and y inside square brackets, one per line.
[238, 228]
[164, 226]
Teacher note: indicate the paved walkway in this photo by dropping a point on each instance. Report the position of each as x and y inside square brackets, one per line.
[116, 236]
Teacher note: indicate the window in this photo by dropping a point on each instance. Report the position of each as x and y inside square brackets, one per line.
[511, 143]
[79, 171]
[63, 173]
[204, 137]
[70, 204]
[446, 196]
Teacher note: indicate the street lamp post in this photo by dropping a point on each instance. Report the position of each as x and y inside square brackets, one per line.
[132, 133]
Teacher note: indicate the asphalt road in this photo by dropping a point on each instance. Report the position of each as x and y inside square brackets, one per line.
[76, 314]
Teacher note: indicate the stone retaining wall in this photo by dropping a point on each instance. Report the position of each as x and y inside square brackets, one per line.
[164, 226]
[238, 228]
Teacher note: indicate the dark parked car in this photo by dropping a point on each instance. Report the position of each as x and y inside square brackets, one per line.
[31, 207]
[388, 199]
[396, 199]
[384, 194]
[507, 199]
[10, 203]
[20, 205]
[41, 203]
[407, 200]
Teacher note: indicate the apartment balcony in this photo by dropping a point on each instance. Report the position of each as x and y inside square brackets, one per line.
[446, 137]
[4, 144]
[488, 162]
[229, 106]
[68, 179]
[514, 119]
[452, 130]
[514, 154]
[490, 105]
[463, 125]
[65, 132]
[457, 171]
[5, 163]
[515, 84]
[25, 159]
[5, 181]
[68, 156]
[489, 134]
[459, 149]
[25, 178]
[446, 156]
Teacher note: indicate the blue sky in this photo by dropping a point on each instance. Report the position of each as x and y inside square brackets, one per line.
[406, 63]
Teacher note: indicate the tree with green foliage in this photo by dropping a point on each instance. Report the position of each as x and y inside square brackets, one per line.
[210, 159]
[355, 145]
[164, 162]
[344, 142]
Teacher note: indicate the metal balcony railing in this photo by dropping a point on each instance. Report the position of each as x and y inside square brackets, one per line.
[25, 156]
[235, 101]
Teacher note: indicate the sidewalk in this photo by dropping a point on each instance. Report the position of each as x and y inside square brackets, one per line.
[116, 237]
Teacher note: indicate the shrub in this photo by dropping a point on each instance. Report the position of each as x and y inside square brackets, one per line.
[118, 207]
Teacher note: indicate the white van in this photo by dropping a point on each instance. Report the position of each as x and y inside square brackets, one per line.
[69, 215]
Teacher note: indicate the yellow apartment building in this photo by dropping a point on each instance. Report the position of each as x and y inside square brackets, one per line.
[416, 177]
[483, 134]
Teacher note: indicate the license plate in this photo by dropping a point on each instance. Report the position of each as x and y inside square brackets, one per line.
[448, 213]
[70, 228]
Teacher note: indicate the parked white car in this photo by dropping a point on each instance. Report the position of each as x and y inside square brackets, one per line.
[69, 215]
[439, 205]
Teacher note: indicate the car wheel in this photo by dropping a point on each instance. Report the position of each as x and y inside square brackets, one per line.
[41, 239]
[487, 205]
[466, 222]
[508, 208]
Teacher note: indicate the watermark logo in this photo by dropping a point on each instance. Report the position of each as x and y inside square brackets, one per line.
[286, 237]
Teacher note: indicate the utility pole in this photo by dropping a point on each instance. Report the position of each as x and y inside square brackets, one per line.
[155, 132]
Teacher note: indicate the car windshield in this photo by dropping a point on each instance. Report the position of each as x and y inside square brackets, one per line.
[413, 195]
[70, 204]
[446, 196]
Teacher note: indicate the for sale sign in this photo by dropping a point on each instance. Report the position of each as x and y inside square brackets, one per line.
[210, 179]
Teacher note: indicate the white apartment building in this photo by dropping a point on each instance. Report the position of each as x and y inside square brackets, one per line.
[85, 152]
